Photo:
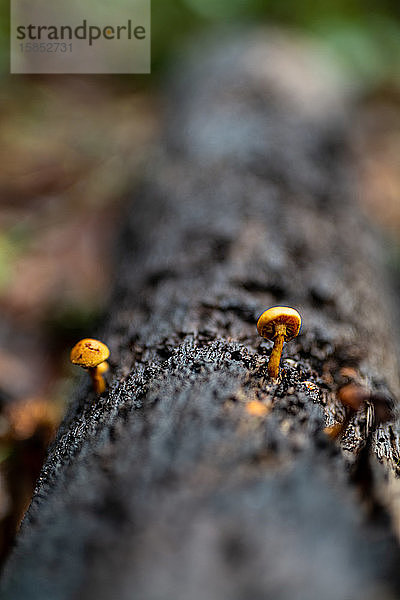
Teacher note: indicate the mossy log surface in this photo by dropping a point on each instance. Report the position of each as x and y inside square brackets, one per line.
[172, 486]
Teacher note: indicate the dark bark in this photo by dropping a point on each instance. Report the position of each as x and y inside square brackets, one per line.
[167, 488]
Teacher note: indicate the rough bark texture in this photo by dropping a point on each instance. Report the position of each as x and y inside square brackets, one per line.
[168, 487]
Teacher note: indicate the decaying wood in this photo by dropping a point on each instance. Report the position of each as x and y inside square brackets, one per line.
[178, 484]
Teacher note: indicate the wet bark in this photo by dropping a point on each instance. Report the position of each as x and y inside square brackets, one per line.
[196, 476]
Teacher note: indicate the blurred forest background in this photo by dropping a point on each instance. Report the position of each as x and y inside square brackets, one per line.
[71, 149]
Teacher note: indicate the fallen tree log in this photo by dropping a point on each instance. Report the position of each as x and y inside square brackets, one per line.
[196, 476]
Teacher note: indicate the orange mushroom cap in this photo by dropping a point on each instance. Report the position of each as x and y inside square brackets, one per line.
[279, 315]
[89, 353]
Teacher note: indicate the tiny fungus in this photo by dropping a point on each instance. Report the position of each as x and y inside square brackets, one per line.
[352, 397]
[92, 355]
[279, 324]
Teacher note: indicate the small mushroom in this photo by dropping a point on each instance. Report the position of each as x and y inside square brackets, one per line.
[279, 324]
[92, 355]
[353, 397]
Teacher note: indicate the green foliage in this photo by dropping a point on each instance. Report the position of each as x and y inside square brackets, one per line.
[364, 36]
[369, 48]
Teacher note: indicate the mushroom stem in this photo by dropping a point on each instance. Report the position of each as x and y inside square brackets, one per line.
[99, 384]
[275, 358]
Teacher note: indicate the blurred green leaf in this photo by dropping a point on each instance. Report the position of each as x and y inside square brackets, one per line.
[370, 50]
